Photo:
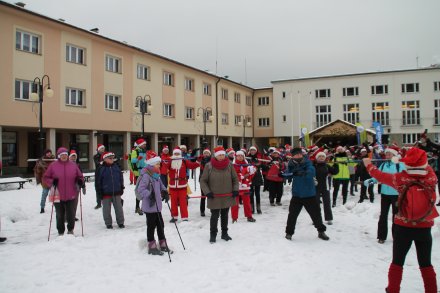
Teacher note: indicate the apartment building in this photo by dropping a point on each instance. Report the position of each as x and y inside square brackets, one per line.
[98, 87]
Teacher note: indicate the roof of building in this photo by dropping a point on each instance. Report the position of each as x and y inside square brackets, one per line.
[339, 121]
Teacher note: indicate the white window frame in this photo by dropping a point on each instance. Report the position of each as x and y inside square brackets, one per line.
[380, 113]
[436, 86]
[322, 94]
[437, 112]
[225, 119]
[207, 89]
[168, 110]
[415, 85]
[189, 113]
[237, 119]
[168, 78]
[113, 64]
[263, 122]
[20, 41]
[189, 84]
[410, 138]
[382, 89]
[237, 97]
[351, 113]
[248, 101]
[143, 72]
[113, 102]
[411, 113]
[355, 90]
[74, 96]
[74, 54]
[323, 116]
[225, 94]
[263, 101]
[23, 94]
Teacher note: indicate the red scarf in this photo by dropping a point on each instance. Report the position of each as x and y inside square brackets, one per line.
[220, 165]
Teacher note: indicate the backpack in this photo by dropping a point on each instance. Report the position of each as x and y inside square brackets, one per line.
[415, 202]
[136, 189]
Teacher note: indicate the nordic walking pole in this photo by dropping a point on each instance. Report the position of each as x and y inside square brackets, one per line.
[195, 179]
[162, 226]
[51, 214]
[81, 210]
[176, 228]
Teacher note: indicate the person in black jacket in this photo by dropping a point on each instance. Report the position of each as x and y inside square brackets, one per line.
[362, 175]
[205, 159]
[110, 184]
[98, 159]
[257, 180]
[322, 191]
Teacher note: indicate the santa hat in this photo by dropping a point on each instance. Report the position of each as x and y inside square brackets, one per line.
[62, 151]
[165, 148]
[253, 148]
[415, 158]
[392, 151]
[363, 150]
[100, 146]
[220, 150]
[243, 150]
[230, 151]
[321, 154]
[182, 146]
[275, 150]
[271, 149]
[140, 142]
[107, 155]
[177, 150]
[73, 153]
[304, 151]
[340, 149]
[239, 153]
[152, 158]
[287, 146]
[208, 151]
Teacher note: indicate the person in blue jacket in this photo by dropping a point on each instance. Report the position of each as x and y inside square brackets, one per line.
[388, 194]
[301, 170]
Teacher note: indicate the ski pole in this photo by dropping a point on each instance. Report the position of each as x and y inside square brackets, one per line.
[81, 210]
[195, 179]
[51, 214]
[176, 227]
[162, 226]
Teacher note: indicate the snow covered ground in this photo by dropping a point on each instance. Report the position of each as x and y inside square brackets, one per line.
[258, 259]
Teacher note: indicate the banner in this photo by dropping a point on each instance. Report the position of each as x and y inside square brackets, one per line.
[361, 133]
[379, 131]
[304, 135]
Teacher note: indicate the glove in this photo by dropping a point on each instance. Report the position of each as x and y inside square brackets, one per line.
[165, 195]
[79, 181]
[140, 158]
[210, 195]
[368, 182]
[55, 182]
[234, 194]
[83, 190]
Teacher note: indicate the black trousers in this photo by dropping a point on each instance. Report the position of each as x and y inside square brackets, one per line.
[65, 210]
[386, 202]
[215, 214]
[336, 184]
[255, 191]
[353, 186]
[403, 239]
[155, 220]
[275, 191]
[202, 203]
[364, 193]
[312, 207]
[137, 200]
[164, 179]
[325, 195]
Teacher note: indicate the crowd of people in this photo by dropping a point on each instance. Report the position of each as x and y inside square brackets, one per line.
[232, 178]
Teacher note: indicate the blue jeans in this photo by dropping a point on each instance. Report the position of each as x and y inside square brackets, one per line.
[44, 195]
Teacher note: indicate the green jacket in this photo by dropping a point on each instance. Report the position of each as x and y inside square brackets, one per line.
[343, 162]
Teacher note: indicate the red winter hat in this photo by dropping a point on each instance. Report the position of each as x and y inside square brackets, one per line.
[207, 151]
[415, 158]
[152, 158]
[107, 155]
[220, 150]
[100, 146]
[177, 150]
[165, 147]
[73, 153]
[230, 151]
[253, 148]
[140, 142]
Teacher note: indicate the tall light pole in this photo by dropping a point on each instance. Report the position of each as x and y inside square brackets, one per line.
[38, 91]
[206, 116]
[244, 121]
[144, 104]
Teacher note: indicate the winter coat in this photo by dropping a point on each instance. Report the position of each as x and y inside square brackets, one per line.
[144, 188]
[40, 168]
[68, 174]
[135, 162]
[203, 161]
[110, 180]
[390, 168]
[342, 161]
[163, 165]
[245, 174]
[361, 172]
[322, 171]
[257, 180]
[276, 167]
[219, 181]
[398, 181]
[178, 177]
[303, 183]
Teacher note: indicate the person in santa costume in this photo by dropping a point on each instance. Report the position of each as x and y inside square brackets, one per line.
[178, 183]
[245, 174]
[165, 157]
[415, 216]
[274, 178]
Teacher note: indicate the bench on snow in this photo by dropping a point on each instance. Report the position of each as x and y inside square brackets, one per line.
[19, 180]
[88, 175]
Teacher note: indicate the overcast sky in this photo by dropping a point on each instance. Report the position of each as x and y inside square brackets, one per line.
[268, 39]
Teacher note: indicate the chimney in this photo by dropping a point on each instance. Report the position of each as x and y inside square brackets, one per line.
[20, 4]
[95, 30]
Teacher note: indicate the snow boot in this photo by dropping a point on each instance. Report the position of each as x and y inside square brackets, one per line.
[289, 236]
[122, 226]
[70, 232]
[3, 239]
[279, 204]
[173, 220]
[164, 246]
[42, 211]
[394, 278]
[258, 209]
[98, 206]
[429, 279]
[212, 238]
[250, 219]
[380, 241]
[202, 214]
[272, 204]
[138, 211]
[225, 236]
[323, 236]
[152, 248]
[109, 226]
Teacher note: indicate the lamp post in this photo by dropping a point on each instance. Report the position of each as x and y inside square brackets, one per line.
[244, 121]
[144, 104]
[37, 94]
[206, 116]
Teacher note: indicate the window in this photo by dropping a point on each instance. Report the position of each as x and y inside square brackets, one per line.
[284, 117]
[9, 148]
[189, 84]
[410, 113]
[75, 54]
[112, 64]
[351, 113]
[410, 138]
[225, 119]
[284, 95]
[112, 102]
[248, 101]
[436, 112]
[168, 110]
[143, 72]
[263, 122]
[28, 42]
[350, 91]
[436, 86]
[237, 120]
[168, 78]
[380, 113]
[410, 87]
[224, 94]
[207, 89]
[323, 115]
[379, 89]
[325, 93]
[189, 113]
[206, 115]
[75, 97]
[237, 98]
[263, 101]
[23, 89]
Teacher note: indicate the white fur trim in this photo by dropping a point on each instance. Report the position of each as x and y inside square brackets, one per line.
[218, 153]
[393, 151]
[153, 161]
[239, 153]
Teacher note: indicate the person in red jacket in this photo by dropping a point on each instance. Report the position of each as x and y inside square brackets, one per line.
[178, 183]
[410, 224]
[275, 181]
[245, 172]
[165, 157]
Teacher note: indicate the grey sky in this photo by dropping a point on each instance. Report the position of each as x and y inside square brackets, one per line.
[279, 39]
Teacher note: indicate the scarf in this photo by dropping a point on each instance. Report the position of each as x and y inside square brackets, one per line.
[220, 165]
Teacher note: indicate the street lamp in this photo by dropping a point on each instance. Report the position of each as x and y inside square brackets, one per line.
[244, 120]
[144, 104]
[206, 116]
[37, 95]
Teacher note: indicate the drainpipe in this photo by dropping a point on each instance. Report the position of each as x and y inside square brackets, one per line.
[253, 119]
[216, 111]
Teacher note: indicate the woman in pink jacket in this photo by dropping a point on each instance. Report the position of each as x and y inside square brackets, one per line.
[66, 178]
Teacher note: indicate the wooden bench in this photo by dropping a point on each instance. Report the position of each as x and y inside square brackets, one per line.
[19, 180]
[88, 175]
